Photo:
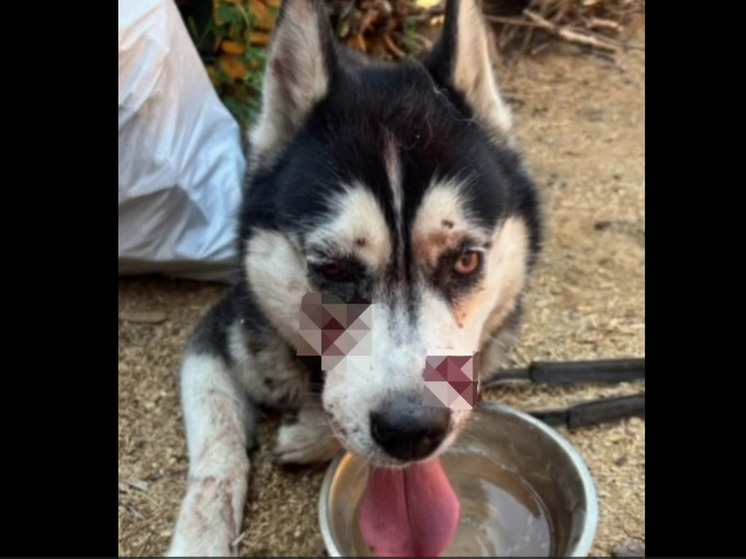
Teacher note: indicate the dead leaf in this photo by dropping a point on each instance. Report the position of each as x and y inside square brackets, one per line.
[232, 47]
[232, 66]
[260, 38]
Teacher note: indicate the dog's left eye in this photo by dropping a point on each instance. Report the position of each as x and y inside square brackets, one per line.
[468, 263]
[333, 271]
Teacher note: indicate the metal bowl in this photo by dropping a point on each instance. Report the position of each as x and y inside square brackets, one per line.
[515, 476]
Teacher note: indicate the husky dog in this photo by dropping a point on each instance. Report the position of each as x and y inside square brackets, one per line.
[396, 184]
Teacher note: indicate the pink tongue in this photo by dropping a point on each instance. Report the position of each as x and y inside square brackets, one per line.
[411, 512]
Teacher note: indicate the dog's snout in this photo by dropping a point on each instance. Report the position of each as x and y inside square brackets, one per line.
[406, 429]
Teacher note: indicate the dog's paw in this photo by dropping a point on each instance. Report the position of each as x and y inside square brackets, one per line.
[307, 441]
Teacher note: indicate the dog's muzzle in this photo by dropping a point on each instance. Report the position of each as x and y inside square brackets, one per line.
[406, 429]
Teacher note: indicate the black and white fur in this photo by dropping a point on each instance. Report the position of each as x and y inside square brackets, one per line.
[393, 171]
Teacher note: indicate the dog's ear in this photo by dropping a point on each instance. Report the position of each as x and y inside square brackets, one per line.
[461, 61]
[300, 64]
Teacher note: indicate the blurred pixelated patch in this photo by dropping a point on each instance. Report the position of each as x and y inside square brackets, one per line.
[451, 381]
[334, 330]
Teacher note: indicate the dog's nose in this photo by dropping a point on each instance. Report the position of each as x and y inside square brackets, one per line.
[406, 429]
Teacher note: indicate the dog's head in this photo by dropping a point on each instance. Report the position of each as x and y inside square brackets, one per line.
[396, 186]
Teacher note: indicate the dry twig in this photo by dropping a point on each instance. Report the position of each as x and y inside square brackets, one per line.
[570, 35]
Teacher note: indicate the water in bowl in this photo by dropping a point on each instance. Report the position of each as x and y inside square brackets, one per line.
[501, 515]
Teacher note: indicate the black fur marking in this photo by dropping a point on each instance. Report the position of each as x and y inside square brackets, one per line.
[211, 335]
[354, 281]
[312, 363]
[442, 57]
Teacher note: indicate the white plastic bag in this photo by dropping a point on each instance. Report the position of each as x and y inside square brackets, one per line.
[180, 156]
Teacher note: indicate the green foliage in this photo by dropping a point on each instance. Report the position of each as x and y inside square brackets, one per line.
[234, 22]
[411, 45]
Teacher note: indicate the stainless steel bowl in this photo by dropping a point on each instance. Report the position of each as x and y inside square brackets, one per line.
[536, 466]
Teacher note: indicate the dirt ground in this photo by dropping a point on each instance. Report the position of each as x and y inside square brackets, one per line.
[581, 121]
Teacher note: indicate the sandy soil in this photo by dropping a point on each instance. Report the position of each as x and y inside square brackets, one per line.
[581, 121]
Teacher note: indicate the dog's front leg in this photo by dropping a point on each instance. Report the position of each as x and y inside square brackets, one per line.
[308, 438]
[220, 420]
